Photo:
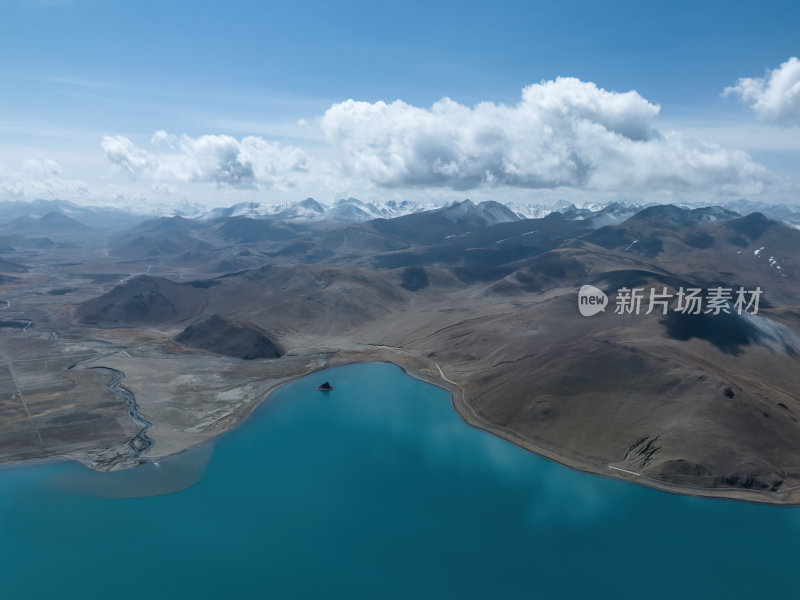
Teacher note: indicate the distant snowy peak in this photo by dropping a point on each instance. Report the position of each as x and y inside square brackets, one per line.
[609, 213]
[305, 209]
[531, 211]
[243, 209]
[485, 213]
[614, 214]
[352, 210]
[495, 213]
[407, 207]
[346, 210]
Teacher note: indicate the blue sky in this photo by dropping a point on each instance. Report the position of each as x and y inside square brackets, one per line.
[76, 71]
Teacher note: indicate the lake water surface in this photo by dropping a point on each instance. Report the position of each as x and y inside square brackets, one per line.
[376, 490]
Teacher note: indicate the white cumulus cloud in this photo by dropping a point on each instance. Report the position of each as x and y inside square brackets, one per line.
[775, 98]
[251, 162]
[565, 132]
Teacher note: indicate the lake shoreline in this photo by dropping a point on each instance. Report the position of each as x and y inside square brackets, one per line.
[428, 371]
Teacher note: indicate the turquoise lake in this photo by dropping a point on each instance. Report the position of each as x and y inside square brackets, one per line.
[376, 490]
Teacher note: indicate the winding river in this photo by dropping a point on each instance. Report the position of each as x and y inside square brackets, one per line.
[141, 441]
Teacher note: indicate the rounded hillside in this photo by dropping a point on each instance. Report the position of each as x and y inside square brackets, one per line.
[221, 336]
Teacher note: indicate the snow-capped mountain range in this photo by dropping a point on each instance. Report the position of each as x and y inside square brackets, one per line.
[348, 210]
[352, 210]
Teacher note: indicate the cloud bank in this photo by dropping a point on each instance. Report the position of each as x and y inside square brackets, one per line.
[40, 178]
[562, 133]
[251, 162]
[774, 98]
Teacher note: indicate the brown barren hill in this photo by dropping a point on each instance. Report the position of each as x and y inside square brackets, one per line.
[221, 336]
[144, 300]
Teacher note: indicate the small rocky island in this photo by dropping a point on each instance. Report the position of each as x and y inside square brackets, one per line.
[325, 387]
